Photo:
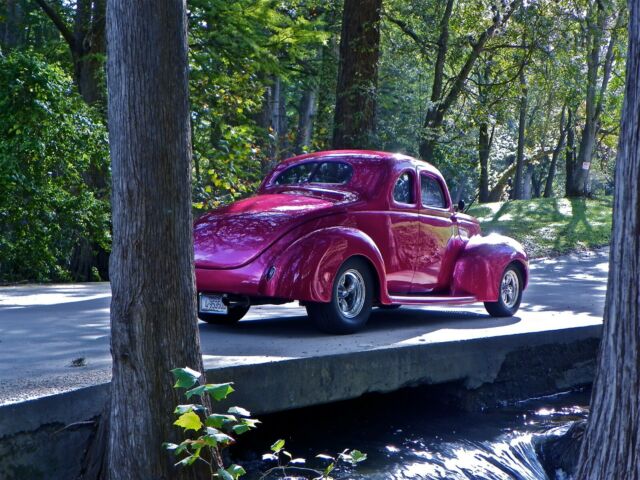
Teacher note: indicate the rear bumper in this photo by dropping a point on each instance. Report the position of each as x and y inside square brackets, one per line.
[245, 280]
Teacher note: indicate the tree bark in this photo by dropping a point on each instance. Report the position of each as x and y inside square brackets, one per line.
[354, 121]
[570, 152]
[153, 309]
[610, 446]
[522, 124]
[11, 20]
[306, 114]
[548, 188]
[484, 149]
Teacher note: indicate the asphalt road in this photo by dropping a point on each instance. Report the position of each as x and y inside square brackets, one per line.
[55, 338]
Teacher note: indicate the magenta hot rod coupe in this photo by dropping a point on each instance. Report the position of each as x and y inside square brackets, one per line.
[344, 231]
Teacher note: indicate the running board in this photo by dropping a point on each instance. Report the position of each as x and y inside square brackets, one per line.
[430, 300]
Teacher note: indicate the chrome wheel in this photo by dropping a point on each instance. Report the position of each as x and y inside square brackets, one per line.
[509, 288]
[351, 293]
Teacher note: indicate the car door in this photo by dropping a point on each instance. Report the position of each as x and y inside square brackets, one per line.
[402, 228]
[436, 228]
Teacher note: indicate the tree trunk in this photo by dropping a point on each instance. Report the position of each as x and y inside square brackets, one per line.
[153, 308]
[577, 184]
[484, 149]
[517, 188]
[536, 183]
[610, 445]
[548, 188]
[570, 152]
[86, 43]
[11, 19]
[354, 123]
[527, 183]
[306, 114]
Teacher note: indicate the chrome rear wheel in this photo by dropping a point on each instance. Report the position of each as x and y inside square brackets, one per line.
[351, 300]
[509, 293]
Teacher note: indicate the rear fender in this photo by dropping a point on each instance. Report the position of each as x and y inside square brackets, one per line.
[306, 269]
[479, 268]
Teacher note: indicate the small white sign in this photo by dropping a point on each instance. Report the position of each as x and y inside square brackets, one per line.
[586, 165]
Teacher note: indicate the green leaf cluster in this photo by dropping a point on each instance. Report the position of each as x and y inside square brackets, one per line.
[51, 145]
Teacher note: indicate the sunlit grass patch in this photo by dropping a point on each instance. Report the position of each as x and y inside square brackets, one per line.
[549, 226]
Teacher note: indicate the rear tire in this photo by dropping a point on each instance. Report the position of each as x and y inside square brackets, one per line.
[351, 300]
[509, 293]
[233, 316]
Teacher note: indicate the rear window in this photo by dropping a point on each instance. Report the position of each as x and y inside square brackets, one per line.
[316, 172]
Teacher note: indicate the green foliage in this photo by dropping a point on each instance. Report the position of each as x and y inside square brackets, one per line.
[213, 432]
[238, 48]
[51, 143]
[549, 226]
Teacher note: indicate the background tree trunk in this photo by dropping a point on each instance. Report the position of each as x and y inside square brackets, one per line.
[11, 17]
[610, 446]
[577, 183]
[484, 149]
[517, 183]
[570, 152]
[548, 189]
[153, 309]
[306, 114]
[86, 43]
[354, 123]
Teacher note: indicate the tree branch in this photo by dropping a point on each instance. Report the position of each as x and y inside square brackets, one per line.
[478, 47]
[407, 30]
[62, 27]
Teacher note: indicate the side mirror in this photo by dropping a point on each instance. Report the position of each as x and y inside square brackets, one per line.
[460, 207]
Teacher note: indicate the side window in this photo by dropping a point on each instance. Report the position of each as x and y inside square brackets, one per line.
[403, 189]
[432, 194]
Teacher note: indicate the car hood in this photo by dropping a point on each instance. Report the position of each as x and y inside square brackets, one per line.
[234, 235]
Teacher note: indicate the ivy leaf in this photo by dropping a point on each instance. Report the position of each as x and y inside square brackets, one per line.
[322, 456]
[224, 474]
[239, 411]
[185, 377]
[240, 429]
[277, 446]
[180, 409]
[189, 421]
[219, 391]
[218, 420]
[195, 391]
[236, 471]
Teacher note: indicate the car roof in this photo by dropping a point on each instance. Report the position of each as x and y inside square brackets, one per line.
[383, 157]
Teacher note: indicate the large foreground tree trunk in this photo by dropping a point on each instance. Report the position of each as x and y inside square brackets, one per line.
[354, 123]
[610, 446]
[153, 310]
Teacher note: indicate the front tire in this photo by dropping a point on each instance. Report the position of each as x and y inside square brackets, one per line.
[351, 300]
[509, 294]
[233, 316]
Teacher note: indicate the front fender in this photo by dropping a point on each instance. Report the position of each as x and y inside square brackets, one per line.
[479, 268]
[306, 269]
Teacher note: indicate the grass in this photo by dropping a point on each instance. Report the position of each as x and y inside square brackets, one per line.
[549, 226]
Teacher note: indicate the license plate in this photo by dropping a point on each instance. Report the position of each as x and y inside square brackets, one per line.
[212, 304]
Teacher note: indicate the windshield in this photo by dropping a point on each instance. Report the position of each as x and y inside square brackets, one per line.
[316, 172]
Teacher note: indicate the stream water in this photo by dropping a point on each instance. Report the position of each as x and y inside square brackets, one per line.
[405, 438]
